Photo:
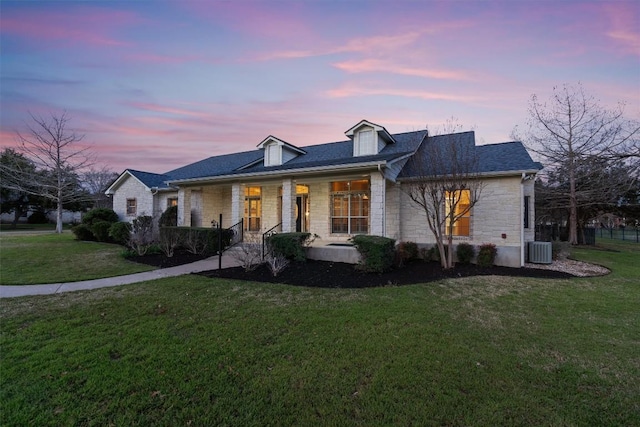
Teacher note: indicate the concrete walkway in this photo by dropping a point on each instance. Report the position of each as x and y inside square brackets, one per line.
[56, 288]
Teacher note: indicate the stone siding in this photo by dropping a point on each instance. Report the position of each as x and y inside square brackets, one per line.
[131, 188]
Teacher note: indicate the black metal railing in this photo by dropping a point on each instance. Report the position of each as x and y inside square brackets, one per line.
[270, 232]
[238, 233]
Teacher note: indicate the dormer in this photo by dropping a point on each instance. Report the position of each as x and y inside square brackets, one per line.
[369, 138]
[278, 152]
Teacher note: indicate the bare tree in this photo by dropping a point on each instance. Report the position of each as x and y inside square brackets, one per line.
[56, 152]
[96, 181]
[571, 130]
[445, 183]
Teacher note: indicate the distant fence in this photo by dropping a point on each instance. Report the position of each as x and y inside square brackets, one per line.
[587, 235]
[630, 234]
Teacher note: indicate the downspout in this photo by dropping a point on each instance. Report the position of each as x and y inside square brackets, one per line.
[522, 257]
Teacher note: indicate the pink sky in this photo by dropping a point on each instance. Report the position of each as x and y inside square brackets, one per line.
[157, 85]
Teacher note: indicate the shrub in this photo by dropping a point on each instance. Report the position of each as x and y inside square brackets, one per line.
[99, 214]
[290, 245]
[465, 253]
[276, 262]
[83, 232]
[100, 230]
[199, 240]
[169, 241]
[141, 234]
[487, 255]
[377, 252]
[38, 217]
[248, 254]
[407, 251]
[169, 218]
[120, 232]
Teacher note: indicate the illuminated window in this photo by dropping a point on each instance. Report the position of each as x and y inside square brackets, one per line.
[459, 201]
[350, 207]
[172, 201]
[132, 207]
[252, 208]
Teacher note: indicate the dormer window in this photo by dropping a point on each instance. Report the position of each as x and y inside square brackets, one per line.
[369, 138]
[278, 152]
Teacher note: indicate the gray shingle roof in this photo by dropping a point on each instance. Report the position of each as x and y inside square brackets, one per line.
[492, 158]
[151, 180]
[504, 157]
[322, 155]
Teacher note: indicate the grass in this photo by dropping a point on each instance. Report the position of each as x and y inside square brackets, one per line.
[7, 227]
[197, 351]
[55, 258]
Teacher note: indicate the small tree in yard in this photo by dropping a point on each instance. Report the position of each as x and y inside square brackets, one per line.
[445, 184]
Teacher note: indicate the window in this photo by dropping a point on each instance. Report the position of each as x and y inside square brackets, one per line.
[526, 211]
[252, 208]
[364, 143]
[132, 207]
[172, 201]
[459, 201]
[350, 207]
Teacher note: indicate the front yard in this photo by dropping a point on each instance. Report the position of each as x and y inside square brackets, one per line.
[199, 351]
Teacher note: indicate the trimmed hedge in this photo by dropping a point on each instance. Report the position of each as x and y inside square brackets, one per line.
[169, 218]
[120, 232]
[465, 253]
[206, 238]
[38, 217]
[99, 214]
[83, 232]
[290, 245]
[100, 230]
[377, 252]
[487, 255]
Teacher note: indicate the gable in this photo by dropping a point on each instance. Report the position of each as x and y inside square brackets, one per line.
[277, 152]
[369, 138]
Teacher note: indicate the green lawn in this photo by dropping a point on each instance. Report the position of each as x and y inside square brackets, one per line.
[54, 258]
[194, 351]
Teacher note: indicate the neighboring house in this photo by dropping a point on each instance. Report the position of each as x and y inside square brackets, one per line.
[337, 190]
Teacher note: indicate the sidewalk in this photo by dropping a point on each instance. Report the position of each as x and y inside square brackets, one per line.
[56, 288]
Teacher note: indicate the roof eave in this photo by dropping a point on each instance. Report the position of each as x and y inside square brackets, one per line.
[298, 171]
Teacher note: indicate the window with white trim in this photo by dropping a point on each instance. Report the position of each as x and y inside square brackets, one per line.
[172, 201]
[132, 207]
[350, 207]
[459, 201]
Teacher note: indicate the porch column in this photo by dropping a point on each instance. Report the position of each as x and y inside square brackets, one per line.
[288, 206]
[377, 205]
[237, 203]
[184, 207]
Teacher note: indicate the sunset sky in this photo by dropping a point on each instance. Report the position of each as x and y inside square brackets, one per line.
[158, 84]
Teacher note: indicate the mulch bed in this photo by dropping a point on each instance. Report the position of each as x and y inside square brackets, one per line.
[323, 274]
[161, 261]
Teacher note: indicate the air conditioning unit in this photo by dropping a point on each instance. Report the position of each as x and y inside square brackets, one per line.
[540, 252]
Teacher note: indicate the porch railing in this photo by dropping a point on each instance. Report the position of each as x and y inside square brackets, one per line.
[238, 233]
[270, 232]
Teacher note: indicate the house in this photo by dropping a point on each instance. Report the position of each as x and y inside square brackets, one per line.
[337, 190]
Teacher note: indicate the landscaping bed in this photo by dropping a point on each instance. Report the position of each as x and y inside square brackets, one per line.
[160, 260]
[324, 274]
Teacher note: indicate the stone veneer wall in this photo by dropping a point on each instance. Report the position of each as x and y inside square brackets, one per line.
[498, 213]
[131, 188]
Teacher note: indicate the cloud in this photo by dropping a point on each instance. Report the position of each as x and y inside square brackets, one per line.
[624, 24]
[377, 65]
[355, 90]
[77, 25]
